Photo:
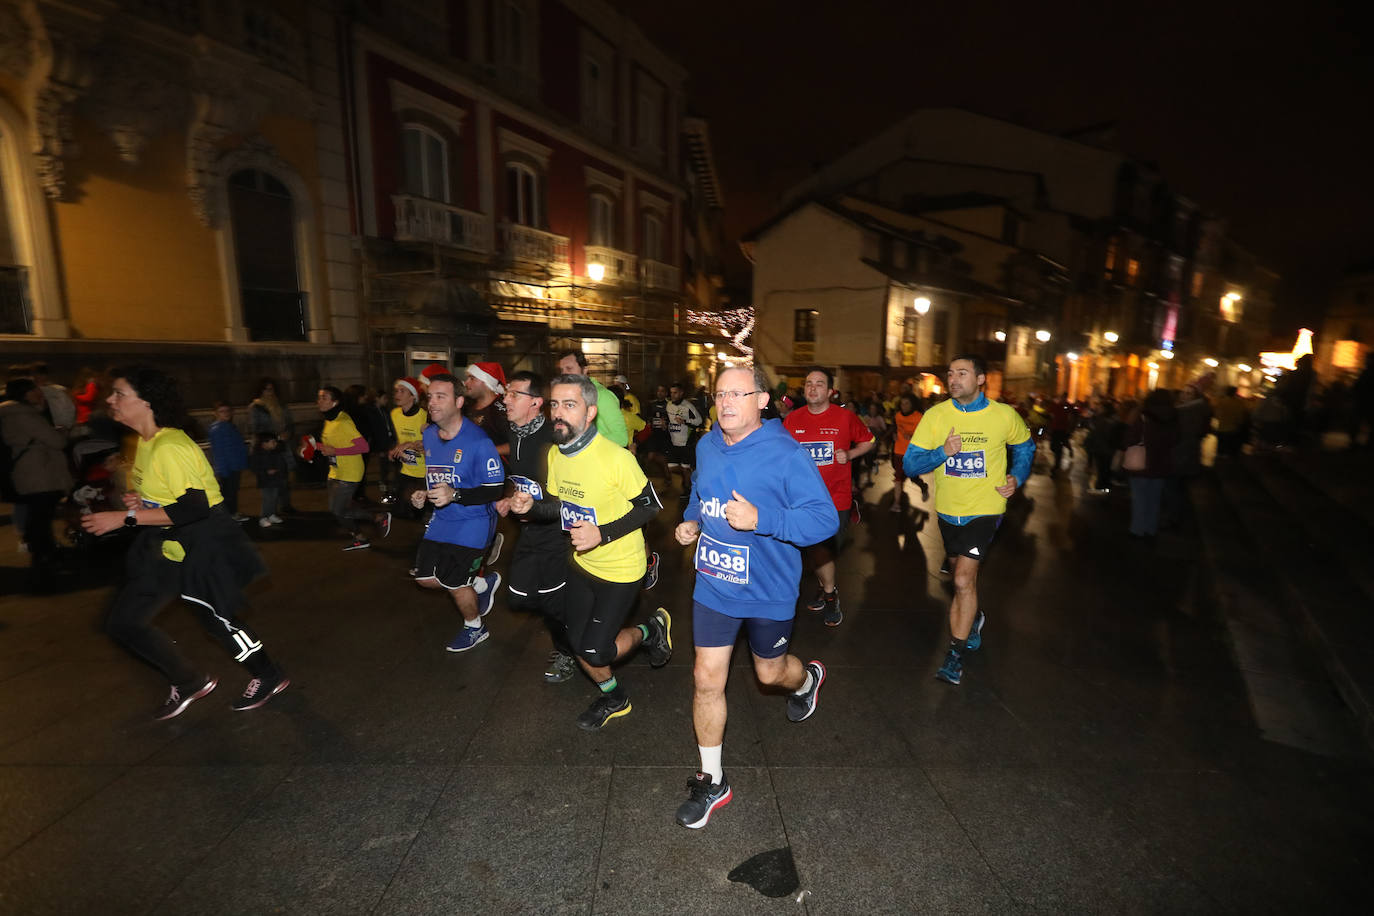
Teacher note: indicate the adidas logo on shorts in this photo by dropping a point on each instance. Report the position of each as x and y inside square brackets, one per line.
[782, 641]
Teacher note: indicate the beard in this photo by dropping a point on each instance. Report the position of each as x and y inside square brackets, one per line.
[563, 432]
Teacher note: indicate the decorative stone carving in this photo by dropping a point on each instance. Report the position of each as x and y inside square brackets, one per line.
[137, 96]
[59, 75]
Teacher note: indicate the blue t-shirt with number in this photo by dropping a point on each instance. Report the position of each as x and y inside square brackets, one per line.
[466, 461]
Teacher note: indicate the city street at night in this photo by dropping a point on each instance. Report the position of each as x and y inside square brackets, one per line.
[1147, 728]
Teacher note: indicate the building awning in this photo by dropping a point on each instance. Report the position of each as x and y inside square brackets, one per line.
[936, 282]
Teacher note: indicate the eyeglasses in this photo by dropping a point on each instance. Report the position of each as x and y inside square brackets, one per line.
[721, 396]
[523, 394]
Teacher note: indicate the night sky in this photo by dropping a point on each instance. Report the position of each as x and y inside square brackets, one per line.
[1260, 114]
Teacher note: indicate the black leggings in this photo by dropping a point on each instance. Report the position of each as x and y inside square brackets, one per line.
[130, 623]
[593, 637]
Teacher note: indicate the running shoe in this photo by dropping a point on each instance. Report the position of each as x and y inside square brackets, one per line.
[467, 638]
[952, 671]
[496, 544]
[703, 798]
[264, 522]
[660, 641]
[276, 519]
[181, 697]
[817, 603]
[260, 690]
[975, 633]
[651, 576]
[800, 706]
[560, 668]
[240, 517]
[603, 709]
[488, 597]
[359, 544]
[383, 520]
[831, 614]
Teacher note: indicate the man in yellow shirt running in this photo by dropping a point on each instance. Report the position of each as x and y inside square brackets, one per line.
[965, 441]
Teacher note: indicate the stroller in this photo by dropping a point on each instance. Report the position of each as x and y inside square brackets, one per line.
[95, 463]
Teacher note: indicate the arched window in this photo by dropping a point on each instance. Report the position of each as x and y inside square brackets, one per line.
[426, 163]
[264, 230]
[524, 196]
[601, 224]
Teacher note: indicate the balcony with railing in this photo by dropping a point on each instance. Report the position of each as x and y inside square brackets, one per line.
[657, 275]
[525, 246]
[422, 220]
[618, 266]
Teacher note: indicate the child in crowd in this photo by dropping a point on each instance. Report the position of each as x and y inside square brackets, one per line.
[270, 467]
[228, 456]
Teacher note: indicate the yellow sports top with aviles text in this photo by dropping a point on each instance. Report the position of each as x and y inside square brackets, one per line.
[597, 485]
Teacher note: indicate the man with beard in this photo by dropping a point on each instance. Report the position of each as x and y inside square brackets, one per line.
[465, 477]
[602, 499]
[972, 484]
[539, 569]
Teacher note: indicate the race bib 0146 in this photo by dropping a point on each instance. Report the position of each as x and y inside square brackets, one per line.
[822, 453]
[719, 560]
[966, 464]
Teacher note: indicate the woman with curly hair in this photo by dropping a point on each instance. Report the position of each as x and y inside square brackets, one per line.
[187, 546]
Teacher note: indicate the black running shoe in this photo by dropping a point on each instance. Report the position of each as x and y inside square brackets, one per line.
[260, 690]
[817, 603]
[181, 697]
[651, 576]
[383, 520]
[831, 613]
[703, 797]
[660, 641]
[359, 544]
[800, 706]
[603, 709]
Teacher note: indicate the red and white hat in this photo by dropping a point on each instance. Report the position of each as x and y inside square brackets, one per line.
[489, 374]
[428, 372]
[410, 385]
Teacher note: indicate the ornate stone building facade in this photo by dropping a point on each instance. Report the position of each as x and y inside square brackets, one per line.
[173, 190]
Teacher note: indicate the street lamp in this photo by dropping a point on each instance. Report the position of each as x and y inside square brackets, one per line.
[1042, 335]
[1111, 337]
[1211, 362]
[922, 305]
[596, 271]
[1001, 336]
[1166, 354]
[1073, 357]
[1244, 367]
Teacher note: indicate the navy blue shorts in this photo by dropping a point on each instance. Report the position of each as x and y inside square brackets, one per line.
[767, 638]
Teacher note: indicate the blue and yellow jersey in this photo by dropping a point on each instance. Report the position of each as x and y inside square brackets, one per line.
[965, 484]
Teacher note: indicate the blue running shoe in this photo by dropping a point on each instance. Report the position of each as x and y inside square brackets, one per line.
[468, 638]
[952, 671]
[488, 597]
[975, 634]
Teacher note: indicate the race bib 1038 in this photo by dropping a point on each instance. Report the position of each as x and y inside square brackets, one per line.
[719, 560]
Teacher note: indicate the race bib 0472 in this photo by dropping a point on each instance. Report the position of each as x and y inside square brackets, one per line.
[572, 513]
[719, 560]
[966, 464]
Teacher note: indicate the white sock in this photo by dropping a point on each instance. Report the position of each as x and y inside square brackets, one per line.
[479, 585]
[710, 763]
[806, 684]
[475, 624]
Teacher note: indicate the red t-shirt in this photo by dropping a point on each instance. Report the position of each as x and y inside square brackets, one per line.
[822, 434]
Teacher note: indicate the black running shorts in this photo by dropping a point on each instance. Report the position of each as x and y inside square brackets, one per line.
[451, 565]
[970, 540]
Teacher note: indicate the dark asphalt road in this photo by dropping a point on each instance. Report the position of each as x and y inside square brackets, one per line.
[1124, 742]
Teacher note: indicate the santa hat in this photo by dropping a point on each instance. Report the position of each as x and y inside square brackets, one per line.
[410, 385]
[489, 374]
[428, 372]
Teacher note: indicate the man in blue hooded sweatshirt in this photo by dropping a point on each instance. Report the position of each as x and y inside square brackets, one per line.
[756, 500]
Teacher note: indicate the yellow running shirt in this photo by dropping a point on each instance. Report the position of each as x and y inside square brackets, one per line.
[597, 485]
[168, 465]
[966, 483]
[340, 433]
[411, 429]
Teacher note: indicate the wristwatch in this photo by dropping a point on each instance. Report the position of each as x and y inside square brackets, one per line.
[131, 520]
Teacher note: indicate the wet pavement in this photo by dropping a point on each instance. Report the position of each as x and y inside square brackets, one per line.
[1146, 729]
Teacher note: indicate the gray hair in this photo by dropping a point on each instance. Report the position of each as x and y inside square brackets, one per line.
[760, 377]
[583, 382]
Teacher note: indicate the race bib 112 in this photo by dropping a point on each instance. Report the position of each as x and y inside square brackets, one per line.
[822, 453]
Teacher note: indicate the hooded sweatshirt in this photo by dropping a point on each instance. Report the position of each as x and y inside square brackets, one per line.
[756, 573]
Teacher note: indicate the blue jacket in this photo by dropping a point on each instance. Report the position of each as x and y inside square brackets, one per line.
[756, 573]
[228, 453]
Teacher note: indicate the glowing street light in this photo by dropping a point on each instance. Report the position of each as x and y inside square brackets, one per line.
[1111, 336]
[1073, 357]
[1167, 354]
[596, 271]
[1211, 362]
[1245, 367]
[1233, 297]
[922, 305]
[1001, 336]
[1043, 336]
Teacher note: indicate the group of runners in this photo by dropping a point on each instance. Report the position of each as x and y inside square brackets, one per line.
[763, 492]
